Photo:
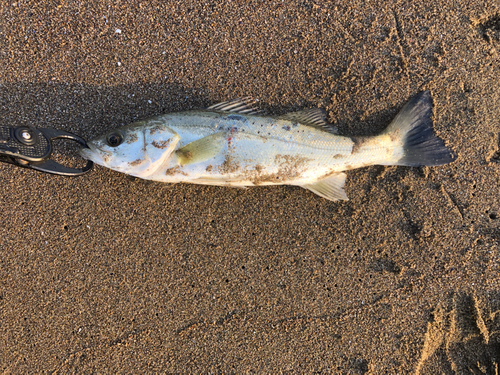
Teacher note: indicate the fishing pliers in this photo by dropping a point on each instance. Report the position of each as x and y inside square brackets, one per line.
[30, 147]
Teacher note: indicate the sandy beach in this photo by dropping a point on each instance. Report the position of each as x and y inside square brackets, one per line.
[107, 273]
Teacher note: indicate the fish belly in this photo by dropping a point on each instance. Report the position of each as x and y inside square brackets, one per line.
[248, 158]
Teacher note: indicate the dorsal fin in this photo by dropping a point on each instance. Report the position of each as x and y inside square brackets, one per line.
[314, 117]
[247, 105]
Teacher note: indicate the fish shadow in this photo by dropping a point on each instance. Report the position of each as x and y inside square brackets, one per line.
[89, 110]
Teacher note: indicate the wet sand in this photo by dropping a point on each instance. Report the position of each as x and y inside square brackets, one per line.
[106, 273]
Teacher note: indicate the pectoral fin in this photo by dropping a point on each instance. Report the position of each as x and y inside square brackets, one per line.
[331, 187]
[203, 149]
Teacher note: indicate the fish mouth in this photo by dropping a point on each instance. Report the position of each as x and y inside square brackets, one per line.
[86, 152]
[91, 152]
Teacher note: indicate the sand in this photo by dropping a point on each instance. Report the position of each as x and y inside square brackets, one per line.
[106, 273]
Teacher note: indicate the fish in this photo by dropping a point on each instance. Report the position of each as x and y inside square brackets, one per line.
[233, 144]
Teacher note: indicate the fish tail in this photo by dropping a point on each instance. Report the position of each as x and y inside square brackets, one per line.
[412, 128]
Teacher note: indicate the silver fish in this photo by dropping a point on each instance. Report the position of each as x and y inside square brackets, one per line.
[229, 144]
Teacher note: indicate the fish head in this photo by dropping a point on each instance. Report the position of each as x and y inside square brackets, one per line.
[136, 149]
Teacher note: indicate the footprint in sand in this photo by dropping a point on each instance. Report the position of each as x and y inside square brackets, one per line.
[463, 337]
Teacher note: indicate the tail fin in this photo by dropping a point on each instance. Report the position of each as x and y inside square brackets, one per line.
[413, 126]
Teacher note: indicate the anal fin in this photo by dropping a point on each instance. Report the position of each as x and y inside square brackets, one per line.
[331, 187]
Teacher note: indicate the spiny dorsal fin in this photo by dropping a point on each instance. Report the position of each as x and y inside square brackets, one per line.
[331, 187]
[246, 105]
[314, 117]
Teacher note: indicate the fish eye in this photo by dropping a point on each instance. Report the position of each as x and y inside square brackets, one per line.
[114, 139]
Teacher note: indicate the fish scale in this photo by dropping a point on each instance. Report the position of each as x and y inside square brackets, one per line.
[229, 145]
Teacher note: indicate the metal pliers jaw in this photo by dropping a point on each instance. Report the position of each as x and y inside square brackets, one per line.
[31, 148]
